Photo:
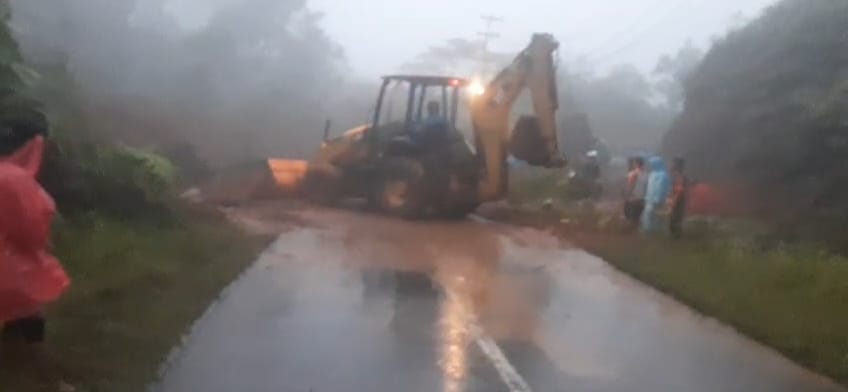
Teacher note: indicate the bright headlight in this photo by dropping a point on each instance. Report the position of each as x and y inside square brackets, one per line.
[476, 88]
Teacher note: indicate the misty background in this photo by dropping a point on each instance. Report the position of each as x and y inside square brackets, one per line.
[147, 99]
[752, 93]
[245, 79]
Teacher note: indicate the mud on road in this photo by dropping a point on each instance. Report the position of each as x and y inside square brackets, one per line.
[344, 301]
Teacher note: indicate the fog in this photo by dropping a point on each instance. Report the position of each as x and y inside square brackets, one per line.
[255, 78]
[243, 79]
[603, 33]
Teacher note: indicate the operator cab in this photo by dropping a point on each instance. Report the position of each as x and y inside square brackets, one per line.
[415, 112]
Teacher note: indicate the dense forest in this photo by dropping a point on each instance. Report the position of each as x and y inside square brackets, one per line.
[768, 109]
[249, 79]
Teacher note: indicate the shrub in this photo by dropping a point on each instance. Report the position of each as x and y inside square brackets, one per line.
[118, 181]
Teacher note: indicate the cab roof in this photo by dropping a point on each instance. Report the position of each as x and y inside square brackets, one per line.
[428, 80]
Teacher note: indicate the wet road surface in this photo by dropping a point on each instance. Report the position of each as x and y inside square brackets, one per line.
[352, 302]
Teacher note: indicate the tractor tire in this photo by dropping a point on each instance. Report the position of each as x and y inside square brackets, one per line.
[399, 193]
[459, 211]
[322, 185]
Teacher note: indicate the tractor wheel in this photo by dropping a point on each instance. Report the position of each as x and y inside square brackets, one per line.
[399, 192]
[321, 185]
[459, 211]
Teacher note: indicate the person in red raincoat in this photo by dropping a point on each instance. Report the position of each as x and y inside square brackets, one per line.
[29, 276]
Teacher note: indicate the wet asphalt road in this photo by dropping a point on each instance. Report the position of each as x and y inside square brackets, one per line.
[352, 302]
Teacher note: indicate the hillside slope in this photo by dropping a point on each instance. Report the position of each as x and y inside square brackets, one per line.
[768, 106]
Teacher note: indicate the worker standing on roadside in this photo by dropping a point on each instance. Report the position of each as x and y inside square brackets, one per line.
[634, 194]
[658, 188]
[679, 197]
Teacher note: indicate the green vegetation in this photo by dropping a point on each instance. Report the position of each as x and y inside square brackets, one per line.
[768, 108]
[136, 288]
[794, 299]
[146, 78]
[143, 265]
[533, 186]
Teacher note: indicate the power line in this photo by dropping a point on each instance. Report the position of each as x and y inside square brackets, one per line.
[628, 29]
[635, 30]
[636, 38]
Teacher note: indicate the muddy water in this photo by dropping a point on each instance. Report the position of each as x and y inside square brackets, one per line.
[352, 302]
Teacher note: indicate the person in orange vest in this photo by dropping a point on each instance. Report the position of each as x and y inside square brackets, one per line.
[679, 197]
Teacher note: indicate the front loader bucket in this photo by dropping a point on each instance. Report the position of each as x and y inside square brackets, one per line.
[271, 178]
[288, 175]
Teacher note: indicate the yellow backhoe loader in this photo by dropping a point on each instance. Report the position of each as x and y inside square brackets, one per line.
[415, 161]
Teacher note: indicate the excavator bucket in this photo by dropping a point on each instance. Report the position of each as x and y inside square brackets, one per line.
[527, 142]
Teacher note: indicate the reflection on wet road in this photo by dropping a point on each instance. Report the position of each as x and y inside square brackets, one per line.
[362, 303]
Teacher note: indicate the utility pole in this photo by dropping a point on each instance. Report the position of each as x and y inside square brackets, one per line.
[487, 35]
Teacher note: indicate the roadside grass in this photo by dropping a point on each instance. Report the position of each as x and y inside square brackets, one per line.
[136, 289]
[534, 185]
[792, 297]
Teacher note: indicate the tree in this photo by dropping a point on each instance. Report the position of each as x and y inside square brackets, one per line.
[766, 108]
[673, 71]
[618, 107]
[627, 81]
[257, 72]
[21, 117]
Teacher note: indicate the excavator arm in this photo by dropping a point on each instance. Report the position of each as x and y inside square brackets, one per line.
[535, 138]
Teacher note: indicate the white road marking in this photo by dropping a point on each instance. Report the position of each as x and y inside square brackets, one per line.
[495, 355]
[508, 374]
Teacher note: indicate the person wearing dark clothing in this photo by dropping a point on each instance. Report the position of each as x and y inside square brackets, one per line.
[31, 329]
[431, 136]
[591, 167]
[679, 198]
[432, 131]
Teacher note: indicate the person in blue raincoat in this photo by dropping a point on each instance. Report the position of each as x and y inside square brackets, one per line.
[659, 186]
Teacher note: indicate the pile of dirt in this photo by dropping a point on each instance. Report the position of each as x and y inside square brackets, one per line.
[238, 184]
